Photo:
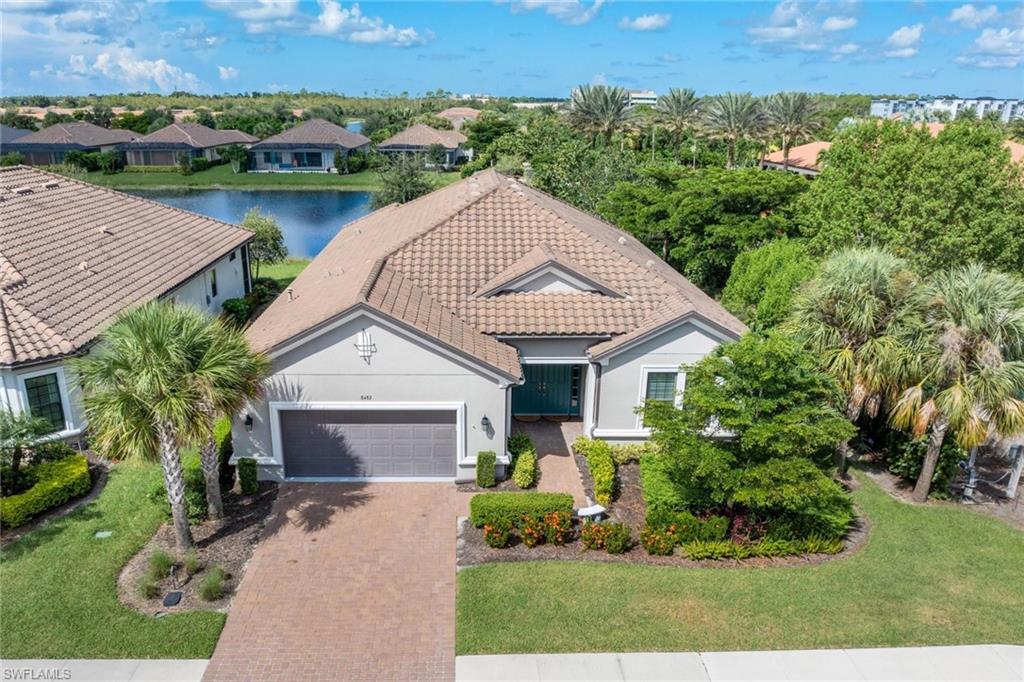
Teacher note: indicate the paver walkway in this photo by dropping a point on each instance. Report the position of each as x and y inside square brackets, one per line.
[558, 472]
[349, 582]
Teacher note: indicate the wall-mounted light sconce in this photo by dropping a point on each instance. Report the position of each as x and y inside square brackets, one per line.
[485, 423]
[248, 422]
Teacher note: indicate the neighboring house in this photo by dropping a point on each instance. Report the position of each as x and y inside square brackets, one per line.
[9, 134]
[162, 147]
[459, 115]
[73, 255]
[422, 330]
[308, 147]
[803, 159]
[418, 139]
[49, 145]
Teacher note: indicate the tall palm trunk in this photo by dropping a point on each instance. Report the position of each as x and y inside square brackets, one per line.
[843, 450]
[210, 461]
[174, 482]
[785, 153]
[730, 158]
[931, 460]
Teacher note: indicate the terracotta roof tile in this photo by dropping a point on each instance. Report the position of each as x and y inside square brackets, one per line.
[803, 156]
[80, 133]
[315, 132]
[195, 135]
[72, 255]
[421, 135]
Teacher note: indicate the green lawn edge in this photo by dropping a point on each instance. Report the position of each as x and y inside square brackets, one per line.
[59, 584]
[927, 575]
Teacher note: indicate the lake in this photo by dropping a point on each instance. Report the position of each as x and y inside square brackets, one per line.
[308, 219]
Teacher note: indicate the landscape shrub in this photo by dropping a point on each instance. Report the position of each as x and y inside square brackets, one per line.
[819, 545]
[191, 563]
[184, 164]
[225, 449]
[12, 159]
[558, 527]
[486, 461]
[158, 568]
[517, 444]
[699, 550]
[237, 310]
[532, 531]
[619, 538]
[200, 164]
[686, 527]
[593, 535]
[659, 540]
[212, 587]
[150, 169]
[524, 474]
[247, 476]
[56, 483]
[491, 508]
[497, 534]
[627, 453]
[602, 468]
[906, 455]
[661, 494]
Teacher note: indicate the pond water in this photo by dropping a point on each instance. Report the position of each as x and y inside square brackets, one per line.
[308, 219]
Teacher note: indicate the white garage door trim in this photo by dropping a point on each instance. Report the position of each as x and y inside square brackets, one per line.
[276, 408]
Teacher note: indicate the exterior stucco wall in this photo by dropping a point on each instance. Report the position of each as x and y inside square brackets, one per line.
[403, 369]
[533, 348]
[620, 382]
[257, 162]
[197, 291]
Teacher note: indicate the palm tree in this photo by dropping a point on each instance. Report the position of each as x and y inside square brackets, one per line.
[851, 316]
[970, 385]
[138, 397]
[677, 111]
[599, 110]
[226, 374]
[733, 117]
[792, 116]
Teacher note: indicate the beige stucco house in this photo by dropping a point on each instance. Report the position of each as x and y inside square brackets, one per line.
[308, 147]
[422, 330]
[163, 147]
[418, 139]
[49, 145]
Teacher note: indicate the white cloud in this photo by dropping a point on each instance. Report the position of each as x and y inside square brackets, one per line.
[571, 12]
[194, 36]
[1001, 48]
[970, 16]
[257, 10]
[120, 65]
[227, 73]
[645, 22]
[838, 23]
[904, 41]
[351, 25]
[845, 50]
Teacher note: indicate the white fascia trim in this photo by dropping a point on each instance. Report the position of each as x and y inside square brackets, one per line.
[642, 395]
[622, 433]
[574, 279]
[693, 318]
[364, 310]
[70, 428]
[276, 407]
[553, 360]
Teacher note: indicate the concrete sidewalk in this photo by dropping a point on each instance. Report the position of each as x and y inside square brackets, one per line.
[104, 670]
[968, 663]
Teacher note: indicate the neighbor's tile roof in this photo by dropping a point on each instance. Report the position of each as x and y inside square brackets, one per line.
[80, 133]
[196, 135]
[428, 263]
[72, 255]
[9, 134]
[315, 132]
[421, 135]
[460, 112]
[803, 156]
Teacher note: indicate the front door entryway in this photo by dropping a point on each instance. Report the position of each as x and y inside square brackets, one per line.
[549, 390]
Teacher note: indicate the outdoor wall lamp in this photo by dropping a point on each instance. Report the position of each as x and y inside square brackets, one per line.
[248, 422]
[485, 423]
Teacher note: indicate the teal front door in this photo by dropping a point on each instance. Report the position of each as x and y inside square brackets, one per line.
[552, 390]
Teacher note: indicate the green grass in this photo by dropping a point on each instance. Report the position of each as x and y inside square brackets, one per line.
[284, 272]
[928, 575]
[59, 584]
[221, 177]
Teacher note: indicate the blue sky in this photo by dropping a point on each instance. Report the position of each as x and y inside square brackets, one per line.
[510, 47]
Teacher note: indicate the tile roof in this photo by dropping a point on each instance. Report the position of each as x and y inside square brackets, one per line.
[459, 115]
[315, 132]
[429, 263]
[195, 135]
[421, 135]
[803, 156]
[72, 255]
[80, 133]
[9, 134]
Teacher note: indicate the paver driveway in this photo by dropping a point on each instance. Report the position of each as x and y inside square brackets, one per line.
[349, 582]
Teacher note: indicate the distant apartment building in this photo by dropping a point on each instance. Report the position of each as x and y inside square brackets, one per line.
[1008, 109]
[636, 98]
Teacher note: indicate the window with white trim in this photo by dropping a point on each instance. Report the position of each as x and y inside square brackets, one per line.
[662, 384]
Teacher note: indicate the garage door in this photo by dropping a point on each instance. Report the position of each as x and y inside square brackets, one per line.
[369, 443]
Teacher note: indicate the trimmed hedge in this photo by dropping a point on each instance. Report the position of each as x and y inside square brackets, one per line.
[602, 467]
[486, 461]
[511, 508]
[57, 482]
[525, 473]
[246, 467]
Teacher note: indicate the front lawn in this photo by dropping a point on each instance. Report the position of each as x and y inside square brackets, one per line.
[221, 177]
[928, 575]
[59, 584]
[284, 272]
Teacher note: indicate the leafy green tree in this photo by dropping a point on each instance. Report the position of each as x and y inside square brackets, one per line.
[598, 111]
[938, 202]
[100, 114]
[677, 111]
[53, 118]
[236, 155]
[853, 316]
[485, 130]
[733, 118]
[12, 159]
[340, 165]
[267, 246]
[971, 378]
[436, 156]
[13, 119]
[402, 179]
[792, 116]
[763, 282]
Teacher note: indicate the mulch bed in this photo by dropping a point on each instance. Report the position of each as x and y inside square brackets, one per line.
[98, 470]
[228, 544]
